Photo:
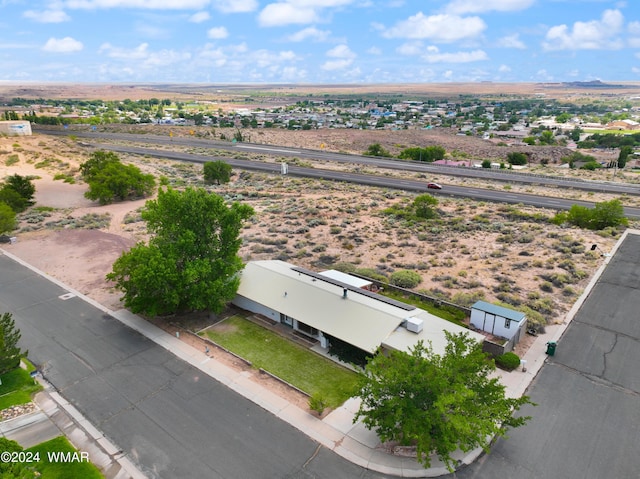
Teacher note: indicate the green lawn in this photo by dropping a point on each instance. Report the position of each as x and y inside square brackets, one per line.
[449, 313]
[304, 369]
[62, 470]
[17, 388]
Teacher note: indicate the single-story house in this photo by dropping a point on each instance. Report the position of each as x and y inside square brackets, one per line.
[498, 321]
[322, 307]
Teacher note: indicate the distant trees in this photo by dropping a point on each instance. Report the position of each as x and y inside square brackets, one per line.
[605, 214]
[377, 150]
[625, 151]
[217, 172]
[110, 180]
[191, 261]
[428, 154]
[517, 158]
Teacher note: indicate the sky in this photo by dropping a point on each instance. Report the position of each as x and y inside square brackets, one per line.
[319, 41]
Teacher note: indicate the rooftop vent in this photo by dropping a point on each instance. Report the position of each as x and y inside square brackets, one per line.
[414, 325]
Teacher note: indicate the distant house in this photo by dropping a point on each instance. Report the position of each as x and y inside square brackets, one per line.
[498, 321]
[321, 307]
[623, 125]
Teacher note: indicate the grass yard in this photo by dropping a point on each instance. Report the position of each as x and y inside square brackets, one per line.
[317, 376]
[449, 313]
[17, 387]
[62, 470]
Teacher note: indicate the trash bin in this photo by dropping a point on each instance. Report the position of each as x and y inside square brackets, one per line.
[551, 348]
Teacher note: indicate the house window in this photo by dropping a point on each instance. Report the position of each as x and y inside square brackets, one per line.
[307, 329]
[507, 323]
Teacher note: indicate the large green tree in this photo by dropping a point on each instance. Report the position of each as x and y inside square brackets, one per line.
[191, 262]
[438, 403]
[23, 186]
[10, 353]
[217, 172]
[110, 180]
[7, 218]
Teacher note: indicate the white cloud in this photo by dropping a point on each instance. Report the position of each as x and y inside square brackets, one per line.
[342, 57]
[310, 33]
[293, 74]
[235, 6]
[265, 58]
[634, 28]
[143, 4]
[290, 12]
[341, 51]
[199, 17]
[410, 48]
[511, 41]
[374, 51]
[331, 65]
[138, 53]
[277, 14]
[165, 58]
[593, 35]
[434, 55]
[62, 45]
[47, 16]
[504, 69]
[217, 33]
[461, 7]
[438, 28]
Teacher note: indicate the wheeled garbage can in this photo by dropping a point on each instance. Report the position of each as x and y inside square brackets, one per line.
[551, 348]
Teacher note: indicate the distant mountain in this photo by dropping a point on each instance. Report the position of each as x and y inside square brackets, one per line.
[590, 84]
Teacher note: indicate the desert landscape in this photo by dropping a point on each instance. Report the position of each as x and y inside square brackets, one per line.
[472, 251]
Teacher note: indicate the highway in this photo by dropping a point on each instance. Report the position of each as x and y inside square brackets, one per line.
[390, 163]
[479, 194]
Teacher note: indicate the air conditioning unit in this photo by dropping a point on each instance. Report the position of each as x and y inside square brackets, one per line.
[414, 325]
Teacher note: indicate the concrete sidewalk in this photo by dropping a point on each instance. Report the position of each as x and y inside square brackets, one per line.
[337, 431]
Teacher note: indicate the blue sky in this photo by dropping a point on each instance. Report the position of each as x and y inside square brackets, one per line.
[319, 41]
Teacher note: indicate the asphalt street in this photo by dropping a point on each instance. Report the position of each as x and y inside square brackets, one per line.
[587, 422]
[168, 417]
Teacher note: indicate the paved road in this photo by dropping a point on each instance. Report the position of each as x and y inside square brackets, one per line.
[172, 420]
[395, 164]
[479, 194]
[587, 422]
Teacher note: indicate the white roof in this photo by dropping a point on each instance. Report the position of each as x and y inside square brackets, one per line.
[364, 319]
[346, 278]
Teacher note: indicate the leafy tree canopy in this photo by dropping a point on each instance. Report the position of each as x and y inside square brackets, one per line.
[428, 154]
[517, 158]
[191, 261]
[7, 218]
[377, 150]
[10, 353]
[23, 186]
[438, 403]
[605, 214]
[110, 180]
[217, 172]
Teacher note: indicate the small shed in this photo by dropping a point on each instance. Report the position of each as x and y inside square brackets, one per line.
[497, 320]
